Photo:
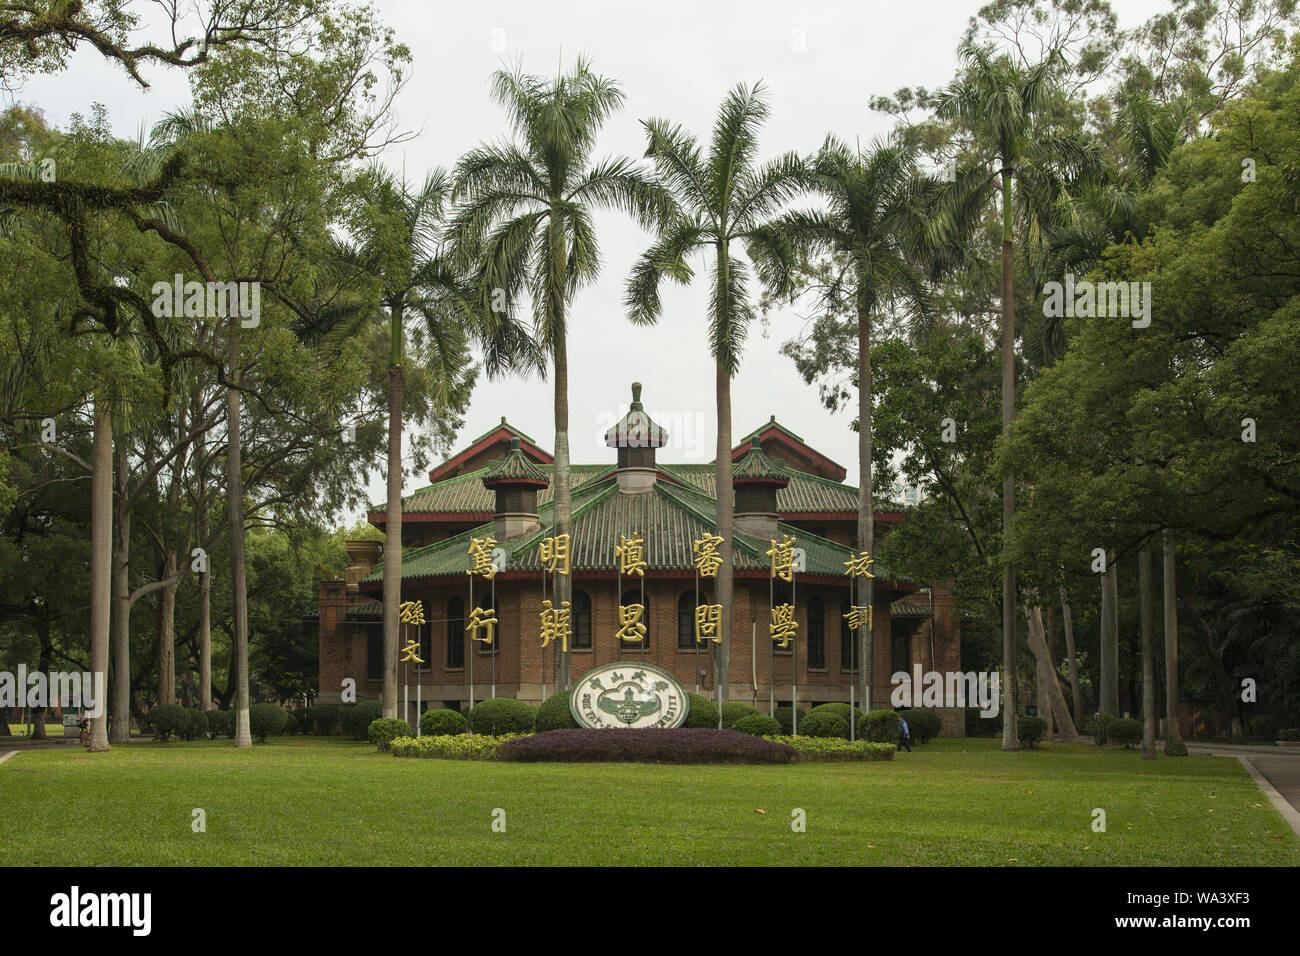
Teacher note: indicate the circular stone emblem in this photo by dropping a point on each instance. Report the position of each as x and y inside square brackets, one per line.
[628, 694]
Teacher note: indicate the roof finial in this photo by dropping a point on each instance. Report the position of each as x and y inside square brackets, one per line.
[514, 444]
[636, 394]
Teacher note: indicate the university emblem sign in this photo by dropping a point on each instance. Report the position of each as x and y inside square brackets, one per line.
[628, 694]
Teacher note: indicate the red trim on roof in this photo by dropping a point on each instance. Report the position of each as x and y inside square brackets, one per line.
[490, 438]
[379, 518]
[812, 454]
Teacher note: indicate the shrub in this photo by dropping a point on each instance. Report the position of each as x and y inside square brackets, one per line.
[1098, 725]
[703, 713]
[357, 718]
[880, 726]
[732, 711]
[1124, 730]
[824, 724]
[1030, 730]
[758, 725]
[221, 722]
[165, 720]
[554, 713]
[195, 726]
[977, 725]
[1291, 733]
[501, 715]
[323, 718]
[924, 724]
[302, 720]
[838, 708]
[442, 723]
[1265, 725]
[649, 745]
[785, 717]
[384, 730]
[265, 720]
[816, 749]
[450, 747]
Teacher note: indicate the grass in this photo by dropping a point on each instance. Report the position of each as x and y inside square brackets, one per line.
[336, 802]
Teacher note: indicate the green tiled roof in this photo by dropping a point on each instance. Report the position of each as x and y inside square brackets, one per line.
[466, 493]
[804, 494]
[635, 429]
[514, 467]
[755, 466]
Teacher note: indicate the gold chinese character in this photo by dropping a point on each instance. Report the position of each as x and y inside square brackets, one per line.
[555, 624]
[859, 565]
[631, 555]
[782, 556]
[412, 612]
[707, 559]
[708, 623]
[556, 551]
[410, 653]
[858, 617]
[481, 551]
[630, 627]
[484, 619]
[784, 626]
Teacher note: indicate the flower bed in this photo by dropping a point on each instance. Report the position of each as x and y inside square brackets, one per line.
[811, 749]
[651, 745]
[450, 746]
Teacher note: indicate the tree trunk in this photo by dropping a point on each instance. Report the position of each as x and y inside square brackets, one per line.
[43, 665]
[238, 567]
[393, 526]
[866, 502]
[1010, 740]
[121, 710]
[562, 510]
[1174, 746]
[1146, 614]
[1067, 624]
[1109, 696]
[205, 610]
[165, 661]
[1048, 683]
[722, 476]
[101, 558]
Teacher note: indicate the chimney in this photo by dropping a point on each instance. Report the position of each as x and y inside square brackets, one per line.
[362, 558]
[636, 437]
[516, 481]
[756, 480]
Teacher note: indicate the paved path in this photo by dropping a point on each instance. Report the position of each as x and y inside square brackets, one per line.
[1276, 770]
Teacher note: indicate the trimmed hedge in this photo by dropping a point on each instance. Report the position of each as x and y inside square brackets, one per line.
[879, 726]
[195, 726]
[703, 713]
[820, 749]
[165, 720]
[443, 723]
[384, 730]
[839, 708]
[1265, 725]
[823, 723]
[1124, 730]
[758, 725]
[1030, 730]
[784, 717]
[450, 746]
[266, 720]
[732, 711]
[649, 745]
[977, 725]
[221, 722]
[357, 718]
[323, 718]
[554, 713]
[301, 720]
[501, 715]
[1098, 725]
[1289, 734]
[924, 724]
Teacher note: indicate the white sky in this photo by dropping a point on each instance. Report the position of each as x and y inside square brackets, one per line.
[821, 61]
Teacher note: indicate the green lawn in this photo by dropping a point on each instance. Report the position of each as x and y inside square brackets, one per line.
[333, 802]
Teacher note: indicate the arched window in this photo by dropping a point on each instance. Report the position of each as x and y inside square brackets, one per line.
[848, 647]
[580, 620]
[816, 639]
[686, 620]
[455, 633]
[630, 598]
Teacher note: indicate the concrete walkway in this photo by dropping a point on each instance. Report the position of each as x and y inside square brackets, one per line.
[1275, 770]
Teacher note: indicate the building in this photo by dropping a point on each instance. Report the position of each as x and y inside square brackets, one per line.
[499, 487]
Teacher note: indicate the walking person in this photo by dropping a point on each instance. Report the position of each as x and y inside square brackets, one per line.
[904, 734]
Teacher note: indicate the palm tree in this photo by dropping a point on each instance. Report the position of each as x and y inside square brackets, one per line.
[878, 229]
[722, 198]
[526, 223]
[1002, 102]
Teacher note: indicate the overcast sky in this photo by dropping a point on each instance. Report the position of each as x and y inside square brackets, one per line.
[820, 61]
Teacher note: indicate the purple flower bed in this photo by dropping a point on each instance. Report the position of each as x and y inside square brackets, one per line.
[652, 745]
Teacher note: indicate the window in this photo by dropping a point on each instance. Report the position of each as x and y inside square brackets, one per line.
[686, 620]
[848, 644]
[900, 649]
[375, 653]
[816, 635]
[630, 598]
[455, 633]
[580, 620]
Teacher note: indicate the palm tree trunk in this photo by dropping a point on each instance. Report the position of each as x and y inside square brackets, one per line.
[866, 503]
[726, 512]
[101, 557]
[166, 632]
[1146, 616]
[1067, 622]
[238, 566]
[393, 519]
[1174, 746]
[121, 710]
[1010, 740]
[205, 607]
